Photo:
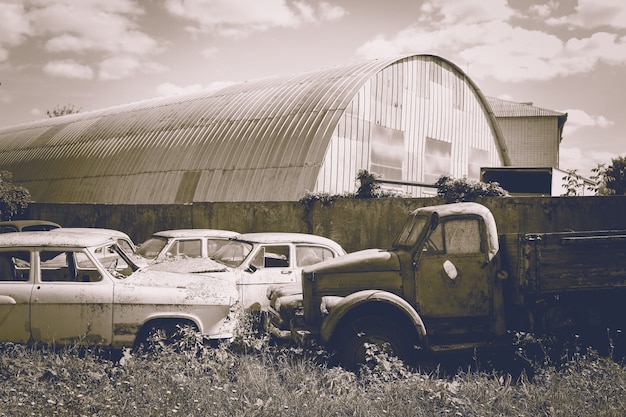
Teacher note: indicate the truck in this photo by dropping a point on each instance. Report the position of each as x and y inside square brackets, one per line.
[451, 282]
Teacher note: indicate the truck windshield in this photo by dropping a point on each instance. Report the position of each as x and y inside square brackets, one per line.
[411, 231]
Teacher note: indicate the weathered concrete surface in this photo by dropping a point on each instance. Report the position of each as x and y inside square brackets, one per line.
[355, 224]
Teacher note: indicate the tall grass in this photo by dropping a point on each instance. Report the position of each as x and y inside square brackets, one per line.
[253, 378]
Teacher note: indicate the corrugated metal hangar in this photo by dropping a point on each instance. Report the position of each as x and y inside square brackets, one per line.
[409, 119]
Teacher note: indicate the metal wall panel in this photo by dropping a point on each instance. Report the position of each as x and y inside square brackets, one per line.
[266, 139]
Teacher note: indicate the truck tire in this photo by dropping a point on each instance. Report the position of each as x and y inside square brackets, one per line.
[384, 336]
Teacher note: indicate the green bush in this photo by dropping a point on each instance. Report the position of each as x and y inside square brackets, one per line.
[13, 198]
[455, 190]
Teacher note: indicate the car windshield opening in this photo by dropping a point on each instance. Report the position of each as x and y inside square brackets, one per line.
[233, 253]
[151, 248]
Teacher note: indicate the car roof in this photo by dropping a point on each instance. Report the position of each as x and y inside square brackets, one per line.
[283, 237]
[87, 230]
[69, 240]
[209, 233]
[19, 224]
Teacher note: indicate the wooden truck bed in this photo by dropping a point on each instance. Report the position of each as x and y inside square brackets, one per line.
[564, 262]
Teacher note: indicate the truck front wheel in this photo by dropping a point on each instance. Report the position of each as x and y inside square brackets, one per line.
[362, 338]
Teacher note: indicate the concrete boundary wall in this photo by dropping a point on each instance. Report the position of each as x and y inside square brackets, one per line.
[355, 224]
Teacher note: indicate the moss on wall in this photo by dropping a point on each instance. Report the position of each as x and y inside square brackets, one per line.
[355, 224]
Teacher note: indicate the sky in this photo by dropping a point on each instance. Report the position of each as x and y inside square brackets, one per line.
[568, 55]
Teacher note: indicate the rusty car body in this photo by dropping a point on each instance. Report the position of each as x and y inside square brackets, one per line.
[257, 261]
[450, 281]
[182, 243]
[9, 226]
[81, 288]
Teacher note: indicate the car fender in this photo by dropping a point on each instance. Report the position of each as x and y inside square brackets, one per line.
[173, 316]
[343, 307]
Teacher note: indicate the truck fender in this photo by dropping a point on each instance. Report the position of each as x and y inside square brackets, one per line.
[349, 303]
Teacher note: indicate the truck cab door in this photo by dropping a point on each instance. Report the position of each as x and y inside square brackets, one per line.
[454, 282]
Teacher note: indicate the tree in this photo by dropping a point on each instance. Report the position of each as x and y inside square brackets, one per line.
[13, 198]
[616, 175]
[574, 183]
[610, 180]
[454, 190]
[599, 181]
[61, 111]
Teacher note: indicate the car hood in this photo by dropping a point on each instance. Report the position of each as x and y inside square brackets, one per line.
[221, 290]
[189, 266]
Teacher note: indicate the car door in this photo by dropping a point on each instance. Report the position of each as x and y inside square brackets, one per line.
[452, 282]
[15, 290]
[269, 265]
[71, 301]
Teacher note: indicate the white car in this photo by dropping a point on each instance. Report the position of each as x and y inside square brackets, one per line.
[77, 287]
[257, 261]
[183, 243]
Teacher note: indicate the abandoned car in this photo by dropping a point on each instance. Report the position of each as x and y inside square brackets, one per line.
[9, 226]
[81, 288]
[256, 261]
[185, 243]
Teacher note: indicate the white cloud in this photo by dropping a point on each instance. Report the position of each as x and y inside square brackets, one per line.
[92, 26]
[169, 89]
[68, 68]
[477, 35]
[15, 24]
[124, 66]
[577, 119]
[544, 10]
[240, 18]
[109, 28]
[452, 12]
[331, 12]
[583, 161]
[595, 13]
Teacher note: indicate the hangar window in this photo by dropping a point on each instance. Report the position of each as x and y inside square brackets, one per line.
[387, 152]
[437, 159]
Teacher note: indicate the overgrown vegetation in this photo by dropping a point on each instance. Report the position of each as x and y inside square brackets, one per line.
[252, 377]
[62, 110]
[605, 180]
[455, 190]
[13, 198]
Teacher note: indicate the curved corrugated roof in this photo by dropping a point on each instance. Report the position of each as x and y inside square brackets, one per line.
[258, 140]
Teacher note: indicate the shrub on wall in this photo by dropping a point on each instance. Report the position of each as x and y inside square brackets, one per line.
[455, 190]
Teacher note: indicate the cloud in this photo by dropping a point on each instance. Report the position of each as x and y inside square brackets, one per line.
[483, 36]
[328, 11]
[15, 24]
[108, 28]
[240, 18]
[577, 119]
[170, 89]
[583, 161]
[595, 13]
[68, 68]
[453, 12]
[124, 66]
